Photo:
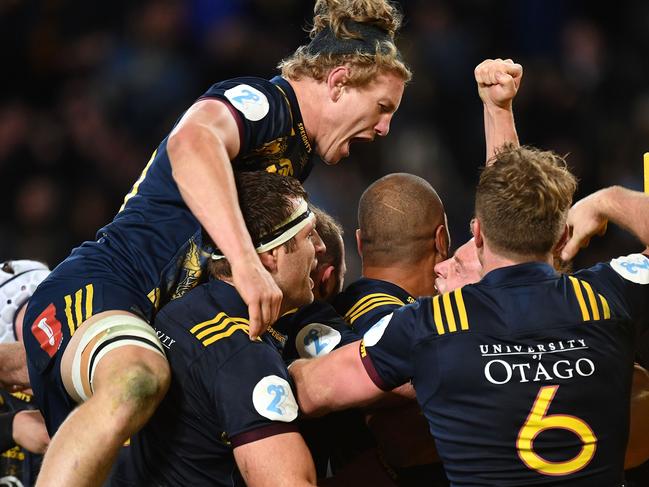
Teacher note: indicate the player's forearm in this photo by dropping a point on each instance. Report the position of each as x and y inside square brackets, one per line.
[13, 365]
[627, 209]
[203, 172]
[312, 400]
[499, 128]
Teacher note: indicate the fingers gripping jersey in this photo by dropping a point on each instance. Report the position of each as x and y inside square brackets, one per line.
[365, 301]
[225, 391]
[524, 377]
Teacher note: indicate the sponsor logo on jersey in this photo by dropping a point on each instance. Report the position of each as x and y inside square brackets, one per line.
[249, 101]
[316, 339]
[634, 268]
[374, 334]
[47, 330]
[522, 363]
[274, 399]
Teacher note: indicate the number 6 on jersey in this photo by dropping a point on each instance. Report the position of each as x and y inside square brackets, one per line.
[537, 421]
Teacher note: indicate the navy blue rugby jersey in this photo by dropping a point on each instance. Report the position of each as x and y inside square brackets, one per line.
[366, 301]
[18, 467]
[226, 391]
[524, 377]
[154, 243]
[313, 330]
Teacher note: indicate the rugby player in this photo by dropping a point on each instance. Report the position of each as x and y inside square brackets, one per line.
[87, 332]
[23, 436]
[230, 403]
[522, 376]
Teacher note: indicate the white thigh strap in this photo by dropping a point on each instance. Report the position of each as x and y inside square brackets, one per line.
[108, 334]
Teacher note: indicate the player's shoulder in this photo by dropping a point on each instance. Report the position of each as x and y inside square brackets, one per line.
[366, 294]
[252, 96]
[315, 330]
[210, 315]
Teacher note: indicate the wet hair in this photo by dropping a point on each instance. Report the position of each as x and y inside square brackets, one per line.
[266, 200]
[522, 200]
[356, 33]
[398, 216]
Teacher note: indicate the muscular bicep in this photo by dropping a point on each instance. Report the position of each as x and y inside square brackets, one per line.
[336, 381]
[207, 121]
[276, 461]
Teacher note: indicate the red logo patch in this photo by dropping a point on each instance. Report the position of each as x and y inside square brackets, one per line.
[47, 330]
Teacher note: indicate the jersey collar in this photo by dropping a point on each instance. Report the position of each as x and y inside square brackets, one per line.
[528, 271]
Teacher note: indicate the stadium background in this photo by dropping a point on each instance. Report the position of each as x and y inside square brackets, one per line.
[90, 88]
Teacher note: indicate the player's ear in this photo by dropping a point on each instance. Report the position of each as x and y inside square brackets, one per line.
[442, 242]
[563, 240]
[359, 243]
[477, 233]
[269, 259]
[336, 82]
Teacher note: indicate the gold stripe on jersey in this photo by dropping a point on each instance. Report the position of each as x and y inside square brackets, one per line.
[448, 310]
[437, 316]
[136, 186]
[580, 298]
[154, 297]
[591, 300]
[75, 320]
[444, 315]
[223, 327]
[90, 293]
[78, 297]
[369, 302]
[68, 313]
[605, 307]
[459, 300]
[225, 334]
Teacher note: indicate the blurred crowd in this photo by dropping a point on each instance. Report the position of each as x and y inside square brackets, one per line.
[90, 88]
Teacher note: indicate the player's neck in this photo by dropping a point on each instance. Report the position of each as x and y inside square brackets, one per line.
[408, 277]
[308, 96]
[492, 260]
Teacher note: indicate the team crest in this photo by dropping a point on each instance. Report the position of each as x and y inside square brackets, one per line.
[316, 339]
[634, 268]
[47, 330]
[249, 101]
[374, 334]
[274, 399]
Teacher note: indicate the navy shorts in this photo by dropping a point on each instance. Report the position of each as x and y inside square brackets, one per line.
[71, 294]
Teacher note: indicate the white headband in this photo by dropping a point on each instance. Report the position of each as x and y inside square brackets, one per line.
[283, 232]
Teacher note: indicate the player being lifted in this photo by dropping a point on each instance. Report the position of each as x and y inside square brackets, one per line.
[531, 366]
[87, 335]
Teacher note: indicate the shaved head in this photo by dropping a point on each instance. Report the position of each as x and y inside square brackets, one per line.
[398, 217]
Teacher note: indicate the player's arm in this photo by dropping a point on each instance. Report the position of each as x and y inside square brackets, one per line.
[590, 216]
[13, 366]
[335, 381]
[277, 461]
[200, 149]
[498, 82]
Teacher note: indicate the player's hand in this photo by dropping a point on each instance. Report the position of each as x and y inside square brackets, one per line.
[585, 219]
[29, 431]
[498, 81]
[260, 292]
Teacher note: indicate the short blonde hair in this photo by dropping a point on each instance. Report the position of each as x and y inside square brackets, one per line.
[338, 17]
[522, 200]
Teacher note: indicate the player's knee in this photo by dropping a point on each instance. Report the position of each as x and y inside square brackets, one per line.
[142, 386]
[133, 390]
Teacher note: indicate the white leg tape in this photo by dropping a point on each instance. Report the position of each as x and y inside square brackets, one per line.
[118, 331]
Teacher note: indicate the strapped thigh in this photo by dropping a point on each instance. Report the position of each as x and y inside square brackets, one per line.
[101, 337]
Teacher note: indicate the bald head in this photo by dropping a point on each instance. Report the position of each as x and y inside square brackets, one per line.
[399, 218]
